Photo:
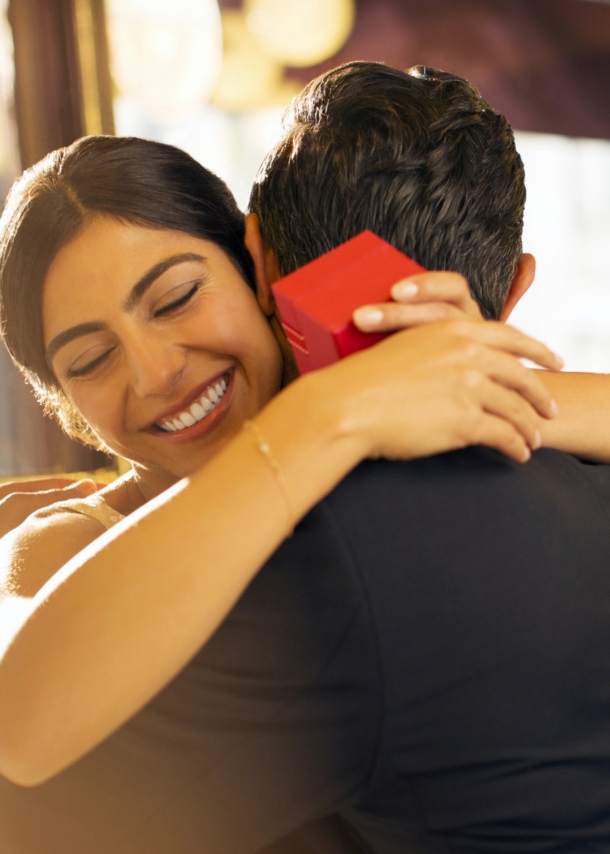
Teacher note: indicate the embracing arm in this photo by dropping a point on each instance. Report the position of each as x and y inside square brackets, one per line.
[581, 427]
[583, 399]
[118, 621]
[142, 598]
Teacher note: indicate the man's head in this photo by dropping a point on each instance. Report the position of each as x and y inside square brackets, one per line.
[418, 157]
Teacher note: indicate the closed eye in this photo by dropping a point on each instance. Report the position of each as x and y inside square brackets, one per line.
[180, 301]
[89, 367]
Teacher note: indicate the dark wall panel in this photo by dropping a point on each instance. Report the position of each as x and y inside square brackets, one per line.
[544, 63]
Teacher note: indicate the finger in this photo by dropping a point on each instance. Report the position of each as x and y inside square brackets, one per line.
[438, 286]
[507, 371]
[391, 316]
[72, 489]
[38, 484]
[512, 407]
[511, 340]
[16, 507]
[43, 497]
[495, 432]
[80, 488]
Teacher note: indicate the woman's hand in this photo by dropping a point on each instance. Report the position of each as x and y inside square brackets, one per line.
[584, 399]
[20, 498]
[423, 298]
[444, 386]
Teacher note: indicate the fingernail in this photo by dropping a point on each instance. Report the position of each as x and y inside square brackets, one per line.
[554, 409]
[86, 484]
[526, 455]
[368, 316]
[559, 360]
[537, 441]
[405, 290]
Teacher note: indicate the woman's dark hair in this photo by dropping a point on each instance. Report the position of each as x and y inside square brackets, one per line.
[133, 180]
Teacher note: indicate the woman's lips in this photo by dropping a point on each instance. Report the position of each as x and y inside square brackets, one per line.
[207, 407]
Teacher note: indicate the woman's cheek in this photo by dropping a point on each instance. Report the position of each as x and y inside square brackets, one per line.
[98, 405]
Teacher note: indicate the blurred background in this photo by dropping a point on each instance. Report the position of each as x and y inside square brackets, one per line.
[214, 78]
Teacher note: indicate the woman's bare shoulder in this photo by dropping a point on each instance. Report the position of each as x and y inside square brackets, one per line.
[33, 552]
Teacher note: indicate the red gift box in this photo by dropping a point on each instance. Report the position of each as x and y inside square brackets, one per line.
[316, 302]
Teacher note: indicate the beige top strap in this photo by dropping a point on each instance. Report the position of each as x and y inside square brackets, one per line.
[94, 506]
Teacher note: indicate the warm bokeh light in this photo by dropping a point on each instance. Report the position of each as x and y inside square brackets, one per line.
[250, 78]
[300, 32]
[166, 54]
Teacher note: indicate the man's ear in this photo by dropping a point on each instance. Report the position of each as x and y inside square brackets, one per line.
[267, 272]
[522, 279]
[265, 264]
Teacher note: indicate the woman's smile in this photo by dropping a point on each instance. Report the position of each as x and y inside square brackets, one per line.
[200, 412]
[159, 342]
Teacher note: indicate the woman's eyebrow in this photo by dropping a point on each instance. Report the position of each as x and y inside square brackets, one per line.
[144, 283]
[69, 335]
[135, 295]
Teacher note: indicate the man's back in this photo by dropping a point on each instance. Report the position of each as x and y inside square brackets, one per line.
[489, 587]
[428, 656]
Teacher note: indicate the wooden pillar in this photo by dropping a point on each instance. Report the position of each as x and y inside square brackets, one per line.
[62, 92]
[62, 79]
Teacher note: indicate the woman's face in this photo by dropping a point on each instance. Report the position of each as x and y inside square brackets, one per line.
[159, 342]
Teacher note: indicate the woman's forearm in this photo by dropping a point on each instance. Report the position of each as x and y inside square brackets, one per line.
[95, 647]
[121, 619]
[581, 428]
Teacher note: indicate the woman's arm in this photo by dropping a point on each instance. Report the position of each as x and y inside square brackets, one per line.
[117, 622]
[583, 399]
[581, 427]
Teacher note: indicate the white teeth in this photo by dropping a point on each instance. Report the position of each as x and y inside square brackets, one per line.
[187, 419]
[198, 410]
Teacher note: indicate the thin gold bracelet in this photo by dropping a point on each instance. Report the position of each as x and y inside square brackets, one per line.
[265, 448]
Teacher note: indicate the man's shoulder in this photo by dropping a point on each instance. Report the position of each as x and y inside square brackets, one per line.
[467, 470]
[463, 494]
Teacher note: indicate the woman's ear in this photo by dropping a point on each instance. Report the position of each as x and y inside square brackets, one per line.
[265, 264]
[522, 279]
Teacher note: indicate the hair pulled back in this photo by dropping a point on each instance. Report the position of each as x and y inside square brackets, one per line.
[133, 180]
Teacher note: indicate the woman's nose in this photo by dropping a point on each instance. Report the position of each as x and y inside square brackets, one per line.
[156, 367]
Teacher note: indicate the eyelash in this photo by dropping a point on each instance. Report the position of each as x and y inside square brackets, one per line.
[167, 309]
[176, 304]
[71, 373]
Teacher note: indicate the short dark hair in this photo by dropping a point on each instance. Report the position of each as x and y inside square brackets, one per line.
[133, 180]
[418, 157]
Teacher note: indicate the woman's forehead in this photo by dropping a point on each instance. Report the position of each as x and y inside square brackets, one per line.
[106, 260]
